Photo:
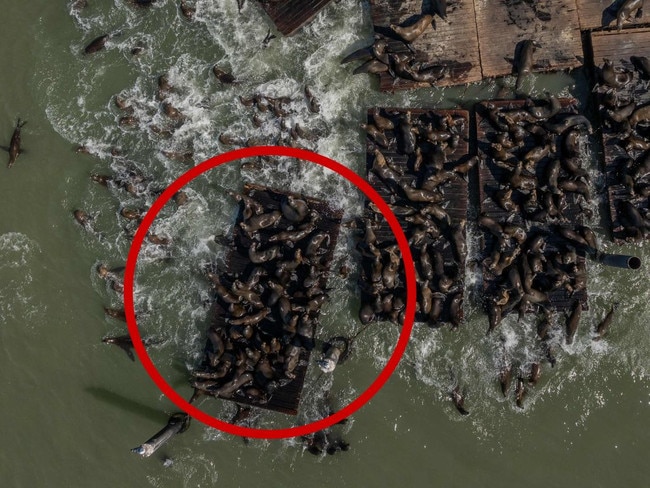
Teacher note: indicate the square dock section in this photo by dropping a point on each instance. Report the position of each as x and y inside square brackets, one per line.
[290, 15]
[452, 43]
[527, 206]
[267, 304]
[624, 186]
[502, 24]
[436, 231]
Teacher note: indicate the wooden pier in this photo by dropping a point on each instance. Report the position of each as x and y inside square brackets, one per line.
[491, 176]
[553, 23]
[453, 42]
[290, 15]
[619, 47]
[454, 204]
[285, 396]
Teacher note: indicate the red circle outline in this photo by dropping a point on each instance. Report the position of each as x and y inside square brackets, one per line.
[304, 155]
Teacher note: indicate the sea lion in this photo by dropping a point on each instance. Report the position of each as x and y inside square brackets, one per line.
[294, 209]
[96, 44]
[223, 76]
[573, 321]
[626, 10]
[603, 326]
[124, 342]
[458, 400]
[84, 219]
[613, 77]
[524, 60]
[312, 102]
[261, 221]
[258, 257]
[505, 378]
[520, 392]
[382, 123]
[115, 313]
[373, 66]
[410, 33]
[187, 11]
[642, 65]
[14, 146]
[440, 7]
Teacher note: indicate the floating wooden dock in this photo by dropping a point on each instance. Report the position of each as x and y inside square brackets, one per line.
[490, 176]
[619, 47]
[290, 15]
[286, 397]
[453, 42]
[503, 24]
[601, 14]
[455, 203]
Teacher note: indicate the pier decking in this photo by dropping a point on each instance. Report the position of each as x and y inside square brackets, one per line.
[290, 15]
[502, 24]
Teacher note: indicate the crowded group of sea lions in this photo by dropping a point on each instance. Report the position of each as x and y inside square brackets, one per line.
[266, 312]
[418, 162]
[394, 50]
[625, 113]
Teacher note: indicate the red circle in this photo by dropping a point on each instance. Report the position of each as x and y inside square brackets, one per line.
[304, 155]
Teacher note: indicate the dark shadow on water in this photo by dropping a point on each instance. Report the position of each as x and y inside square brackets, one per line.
[127, 404]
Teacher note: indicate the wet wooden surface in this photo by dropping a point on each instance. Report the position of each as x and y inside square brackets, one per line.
[455, 202]
[489, 177]
[619, 47]
[290, 15]
[453, 42]
[285, 399]
[601, 14]
[504, 23]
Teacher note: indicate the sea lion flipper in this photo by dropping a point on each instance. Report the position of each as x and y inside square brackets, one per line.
[5, 148]
[128, 352]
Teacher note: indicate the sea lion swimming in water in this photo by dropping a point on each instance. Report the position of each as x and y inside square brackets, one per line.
[458, 400]
[603, 326]
[223, 76]
[96, 44]
[124, 342]
[14, 149]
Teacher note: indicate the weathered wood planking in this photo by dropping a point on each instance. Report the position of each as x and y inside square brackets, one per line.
[455, 203]
[489, 176]
[504, 23]
[601, 14]
[618, 47]
[453, 42]
[285, 399]
[290, 15]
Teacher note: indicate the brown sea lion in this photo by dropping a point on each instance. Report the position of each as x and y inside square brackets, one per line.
[458, 400]
[573, 321]
[410, 33]
[603, 326]
[625, 11]
[223, 76]
[524, 60]
[187, 11]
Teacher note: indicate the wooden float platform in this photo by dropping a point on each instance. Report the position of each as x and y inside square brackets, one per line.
[284, 399]
[618, 47]
[455, 203]
[502, 24]
[489, 174]
[453, 42]
[601, 14]
[290, 15]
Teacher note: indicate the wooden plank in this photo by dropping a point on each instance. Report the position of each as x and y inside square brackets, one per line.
[504, 23]
[454, 203]
[285, 396]
[601, 14]
[619, 47]
[492, 177]
[453, 42]
[290, 15]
